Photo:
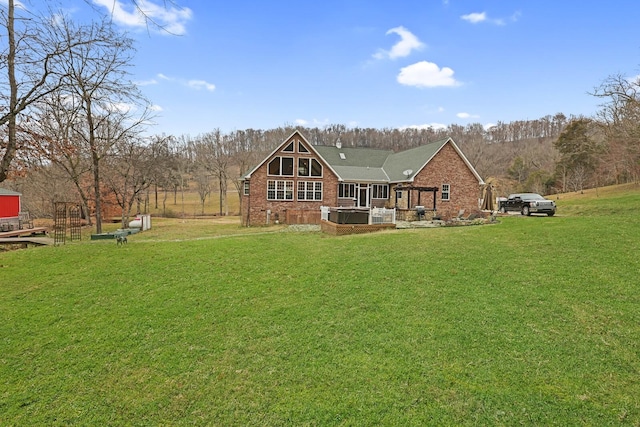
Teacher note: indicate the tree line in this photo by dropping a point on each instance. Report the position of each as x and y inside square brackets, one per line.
[73, 127]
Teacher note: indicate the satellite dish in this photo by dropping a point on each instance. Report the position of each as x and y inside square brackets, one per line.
[408, 172]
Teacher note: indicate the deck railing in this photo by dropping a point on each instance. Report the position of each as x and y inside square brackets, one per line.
[324, 213]
[376, 215]
[382, 216]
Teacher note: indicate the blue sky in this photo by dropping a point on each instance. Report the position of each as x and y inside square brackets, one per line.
[267, 63]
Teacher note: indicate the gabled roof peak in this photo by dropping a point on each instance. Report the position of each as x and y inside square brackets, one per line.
[375, 164]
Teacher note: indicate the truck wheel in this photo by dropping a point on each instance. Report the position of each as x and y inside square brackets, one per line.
[525, 211]
[551, 213]
[503, 210]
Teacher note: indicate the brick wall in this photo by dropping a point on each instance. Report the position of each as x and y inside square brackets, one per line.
[256, 206]
[447, 167]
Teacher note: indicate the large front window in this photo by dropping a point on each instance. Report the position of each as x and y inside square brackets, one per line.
[309, 167]
[279, 190]
[309, 190]
[346, 191]
[380, 191]
[282, 166]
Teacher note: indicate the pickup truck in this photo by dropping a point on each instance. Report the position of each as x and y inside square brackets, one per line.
[527, 203]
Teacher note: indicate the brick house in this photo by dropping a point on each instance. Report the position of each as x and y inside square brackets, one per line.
[292, 182]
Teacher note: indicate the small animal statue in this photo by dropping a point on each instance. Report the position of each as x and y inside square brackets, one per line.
[121, 240]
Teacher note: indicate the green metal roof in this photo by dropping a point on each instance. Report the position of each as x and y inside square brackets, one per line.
[355, 173]
[358, 164]
[358, 157]
[413, 160]
[371, 165]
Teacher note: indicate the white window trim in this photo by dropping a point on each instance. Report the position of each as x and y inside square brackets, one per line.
[246, 188]
[351, 185]
[311, 160]
[447, 192]
[293, 147]
[293, 161]
[313, 185]
[287, 184]
[378, 187]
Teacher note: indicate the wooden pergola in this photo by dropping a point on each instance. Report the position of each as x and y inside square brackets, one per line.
[420, 190]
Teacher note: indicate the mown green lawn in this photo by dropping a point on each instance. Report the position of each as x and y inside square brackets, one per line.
[533, 321]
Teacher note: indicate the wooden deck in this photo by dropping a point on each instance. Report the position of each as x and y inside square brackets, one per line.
[25, 237]
[24, 232]
[26, 241]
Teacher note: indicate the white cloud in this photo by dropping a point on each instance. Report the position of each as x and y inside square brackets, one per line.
[156, 107]
[301, 122]
[426, 74]
[147, 82]
[408, 43]
[478, 17]
[475, 18]
[489, 126]
[467, 116]
[201, 84]
[193, 84]
[169, 18]
[117, 107]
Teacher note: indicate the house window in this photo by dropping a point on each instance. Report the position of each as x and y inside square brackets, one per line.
[309, 167]
[245, 188]
[302, 148]
[380, 191]
[281, 166]
[446, 192]
[288, 148]
[347, 191]
[279, 190]
[309, 190]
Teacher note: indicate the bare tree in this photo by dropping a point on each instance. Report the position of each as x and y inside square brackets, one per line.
[620, 116]
[162, 160]
[31, 68]
[202, 179]
[53, 126]
[213, 153]
[243, 156]
[127, 173]
[100, 89]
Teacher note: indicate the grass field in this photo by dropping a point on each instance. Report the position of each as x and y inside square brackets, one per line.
[531, 321]
[189, 205]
